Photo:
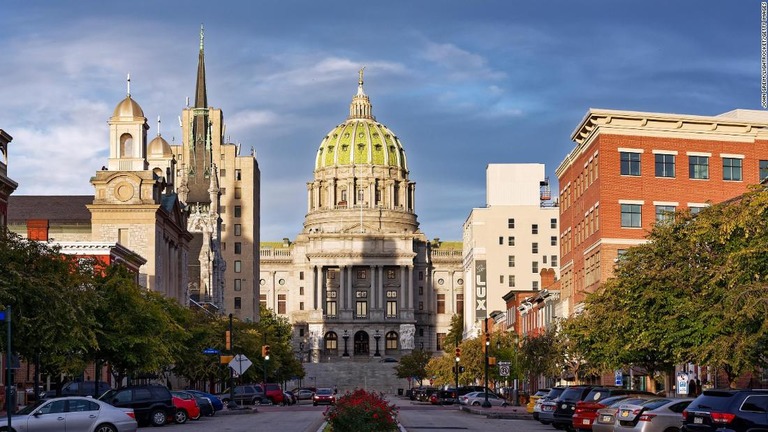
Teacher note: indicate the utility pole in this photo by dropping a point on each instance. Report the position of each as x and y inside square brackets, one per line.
[486, 403]
[228, 344]
[456, 368]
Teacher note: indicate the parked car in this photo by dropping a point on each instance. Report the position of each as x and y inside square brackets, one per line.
[727, 410]
[217, 404]
[324, 396]
[289, 398]
[79, 388]
[76, 413]
[562, 417]
[545, 414]
[443, 397]
[586, 410]
[244, 394]
[423, 394]
[274, 393]
[303, 394]
[152, 404]
[534, 397]
[478, 398]
[658, 415]
[606, 417]
[204, 405]
[186, 407]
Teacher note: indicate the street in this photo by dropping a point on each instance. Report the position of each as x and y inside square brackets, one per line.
[413, 416]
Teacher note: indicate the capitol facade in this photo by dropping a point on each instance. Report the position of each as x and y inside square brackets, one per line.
[360, 279]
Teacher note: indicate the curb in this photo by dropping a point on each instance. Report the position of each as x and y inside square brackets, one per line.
[238, 411]
[498, 414]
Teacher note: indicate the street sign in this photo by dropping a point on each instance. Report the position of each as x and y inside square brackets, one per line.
[240, 364]
[682, 383]
[618, 377]
[504, 369]
[211, 351]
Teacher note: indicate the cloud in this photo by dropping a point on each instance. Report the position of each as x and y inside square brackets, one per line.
[459, 64]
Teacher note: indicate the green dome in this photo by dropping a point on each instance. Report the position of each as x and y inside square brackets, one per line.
[360, 140]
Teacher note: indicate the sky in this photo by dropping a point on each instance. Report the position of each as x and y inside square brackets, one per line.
[462, 83]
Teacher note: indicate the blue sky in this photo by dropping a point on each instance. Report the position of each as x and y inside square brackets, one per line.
[462, 83]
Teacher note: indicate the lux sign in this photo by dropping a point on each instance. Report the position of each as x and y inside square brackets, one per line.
[481, 290]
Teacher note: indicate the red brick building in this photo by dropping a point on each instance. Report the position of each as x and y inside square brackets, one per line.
[630, 169]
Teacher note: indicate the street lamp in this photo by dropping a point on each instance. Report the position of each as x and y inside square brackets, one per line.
[486, 403]
[376, 336]
[346, 337]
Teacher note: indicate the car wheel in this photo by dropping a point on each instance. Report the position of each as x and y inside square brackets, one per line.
[180, 417]
[105, 428]
[198, 416]
[157, 418]
[504, 404]
[475, 403]
[256, 401]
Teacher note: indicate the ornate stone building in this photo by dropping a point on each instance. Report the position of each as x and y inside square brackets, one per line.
[359, 278]
[7, 186]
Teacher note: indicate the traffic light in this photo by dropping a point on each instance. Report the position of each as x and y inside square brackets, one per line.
[227, 340]
[265, 352]
[461, 369]
[458, 353]
[487, 342]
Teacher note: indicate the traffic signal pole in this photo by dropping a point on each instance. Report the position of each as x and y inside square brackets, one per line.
[232, 402]
[456, 369]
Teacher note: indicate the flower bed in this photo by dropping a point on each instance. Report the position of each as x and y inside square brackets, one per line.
[361, 411]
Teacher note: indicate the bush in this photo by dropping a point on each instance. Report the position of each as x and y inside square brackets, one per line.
[361, 411]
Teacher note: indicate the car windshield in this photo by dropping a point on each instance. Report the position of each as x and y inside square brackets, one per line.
[554, 393]
[324, 391]
[712, 400]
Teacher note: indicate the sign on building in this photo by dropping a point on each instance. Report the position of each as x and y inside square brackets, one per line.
[481, 290]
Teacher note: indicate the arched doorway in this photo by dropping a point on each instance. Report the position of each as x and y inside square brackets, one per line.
[361, 343]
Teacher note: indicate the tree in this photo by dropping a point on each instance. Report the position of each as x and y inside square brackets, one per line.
[414, 365]
[455, 333]
[542, 354]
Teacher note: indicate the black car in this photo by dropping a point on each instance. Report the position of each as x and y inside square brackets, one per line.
[205, 405]
[152, 404]
[727, 411]
[566, 405]
[79, 388]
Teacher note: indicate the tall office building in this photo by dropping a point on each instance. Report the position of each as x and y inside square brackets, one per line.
[508, 242]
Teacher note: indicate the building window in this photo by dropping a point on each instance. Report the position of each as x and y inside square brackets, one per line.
[223, 210]
[223, 227]
[440, 341]
[665, 165]
[535, 285]
[238, 302]
[732, 168]
[631, 215]
[501, 240]
[361, 274]
[534, 247]
[421, 275]
[698, 167]
[238, 174]
[238, 193]
[301, 305]
[301, 290]
[459, 303]
[511, 281]
[238, 266]
[510, 223]
[222, 191]
[696, 210]
[511, 261]
[238, 230]
[501, 279]
[535, 267]
[665, 213]
[238, 284]
[263, 300]
[361, 309]
[511, 241]
[391, 308]
[441, 303]
[553, 260]
[238, 211]
[301, 275]
[534, 229]
[390, 341]
[421, 290]
[390, 274]
[330, 308]
[238, 248]
[553, 241]
[553, 223]
[281, 303]
[630, 164]
[763, 170]
[544, 259]
[222, 172]
[331, 341]
[223, 246]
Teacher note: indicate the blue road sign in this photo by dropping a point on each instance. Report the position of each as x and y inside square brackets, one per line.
[2, 315]
[211, 351]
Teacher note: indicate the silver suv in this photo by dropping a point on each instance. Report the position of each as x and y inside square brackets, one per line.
[250, 394]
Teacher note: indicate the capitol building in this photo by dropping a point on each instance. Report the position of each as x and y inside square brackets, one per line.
[361, 279]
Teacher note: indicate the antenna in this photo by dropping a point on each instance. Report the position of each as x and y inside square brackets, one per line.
[129, 84]
[158, 125]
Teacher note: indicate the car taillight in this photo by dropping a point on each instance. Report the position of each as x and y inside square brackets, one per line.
[131, 414]
[647, 417]
[722, 418]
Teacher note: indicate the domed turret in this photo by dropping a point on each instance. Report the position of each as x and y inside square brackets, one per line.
[128, 108]
[159, 148]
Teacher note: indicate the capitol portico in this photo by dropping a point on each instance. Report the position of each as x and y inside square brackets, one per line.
[361, 279]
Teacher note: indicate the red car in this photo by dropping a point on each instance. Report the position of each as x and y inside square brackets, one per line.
[185, 409]
[323, 396]
[274, 393]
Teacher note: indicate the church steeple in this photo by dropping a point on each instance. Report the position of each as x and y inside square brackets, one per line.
[201, 96]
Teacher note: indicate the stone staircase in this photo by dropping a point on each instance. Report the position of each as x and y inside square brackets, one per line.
[348, 374]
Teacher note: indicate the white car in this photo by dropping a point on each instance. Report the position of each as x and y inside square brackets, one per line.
[478, 398]
[75, 413]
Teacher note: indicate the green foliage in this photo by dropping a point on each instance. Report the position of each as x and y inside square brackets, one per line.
[361, 411]
[454, 335]
[543, 354]
[414, 365]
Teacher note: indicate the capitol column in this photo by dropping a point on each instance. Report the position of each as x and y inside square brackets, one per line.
[315, 288]
[374, 297]
[403, 292]
[342, 289]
